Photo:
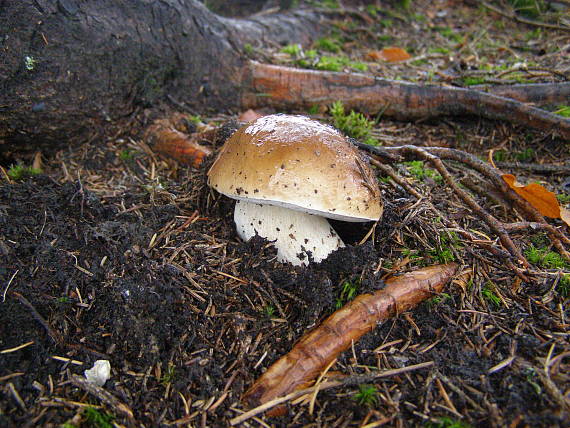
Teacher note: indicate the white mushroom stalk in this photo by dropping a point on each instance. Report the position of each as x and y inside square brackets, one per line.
[295, 234]
[289, 174]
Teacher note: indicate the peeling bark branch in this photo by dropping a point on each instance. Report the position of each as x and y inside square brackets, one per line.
[321, 346]
[287, 88]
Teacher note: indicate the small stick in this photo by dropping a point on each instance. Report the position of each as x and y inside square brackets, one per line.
[481, 213]
[285, 88]
[556, 236]
[352, 380]
[319, 347]
[55, 336]
[102, 395]
[522, 20]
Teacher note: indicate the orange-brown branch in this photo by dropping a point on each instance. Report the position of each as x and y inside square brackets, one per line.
[163, 137]
[293, 88]
[322, 345]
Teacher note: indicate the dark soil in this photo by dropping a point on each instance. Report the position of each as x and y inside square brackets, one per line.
[115, 253]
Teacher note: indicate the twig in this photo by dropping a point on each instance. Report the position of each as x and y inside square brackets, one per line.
[491, 221]
[556, 236]
[352, 380]
[102, 395]
[536, 167]
[522, 20]
[55, 336]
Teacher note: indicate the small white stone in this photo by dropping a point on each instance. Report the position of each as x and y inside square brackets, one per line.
[100, 373]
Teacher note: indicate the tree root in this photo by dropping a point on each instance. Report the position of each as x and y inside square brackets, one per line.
[319, 348]
[287, 88]
[435, 155]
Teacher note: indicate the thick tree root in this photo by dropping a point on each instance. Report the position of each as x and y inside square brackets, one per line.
[292, 88]
[317, 349]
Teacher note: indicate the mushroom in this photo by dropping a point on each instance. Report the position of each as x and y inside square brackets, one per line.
[288, 174]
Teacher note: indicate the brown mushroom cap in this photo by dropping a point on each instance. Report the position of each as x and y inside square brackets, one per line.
[298, 163]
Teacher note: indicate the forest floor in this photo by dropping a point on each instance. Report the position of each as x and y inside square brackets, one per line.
[117, 253]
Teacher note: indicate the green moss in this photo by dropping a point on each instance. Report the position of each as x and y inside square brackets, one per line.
[168, 375]
[367, 395]
[528, 8]
[328, 44]
[372, 9]
[248, 49]
[563, 111]
[21, 172]
[126, 155]
[348, 292]
[314, 109]
[436, 300]
[563, 198]
[354, 124]
[545, 258]
[418, 170]
[473, 80]
[448, 33]
[442, 255]
[499, 155]
[98, 419]
[525, 155]
[269, 311]
[293, 50]
[447, 422]
[405, 4]
[488, 293]
[534, 34]
[329, 63]
[439, 50]
[30, 62]
[563, 286]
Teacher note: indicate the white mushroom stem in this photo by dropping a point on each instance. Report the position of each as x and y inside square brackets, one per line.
[293, 233]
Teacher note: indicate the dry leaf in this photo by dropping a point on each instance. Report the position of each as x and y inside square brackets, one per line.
[249, 116]
[543, 200]
[389, 55]
[565, 215]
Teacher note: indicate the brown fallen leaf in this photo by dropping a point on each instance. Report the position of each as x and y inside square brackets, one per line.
[392, 54]
[537, 195]
[565, 215]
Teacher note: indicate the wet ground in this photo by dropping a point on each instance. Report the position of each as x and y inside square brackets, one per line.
[117, 253]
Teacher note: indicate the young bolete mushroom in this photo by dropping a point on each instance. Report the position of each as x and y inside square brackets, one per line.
[290, 173]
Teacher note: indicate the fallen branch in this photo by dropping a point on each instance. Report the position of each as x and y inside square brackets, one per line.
[102, 394]
[352, 380]
[53, 334]
[409, 152]
[322, 345]
[163, 137]
[288, 88]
